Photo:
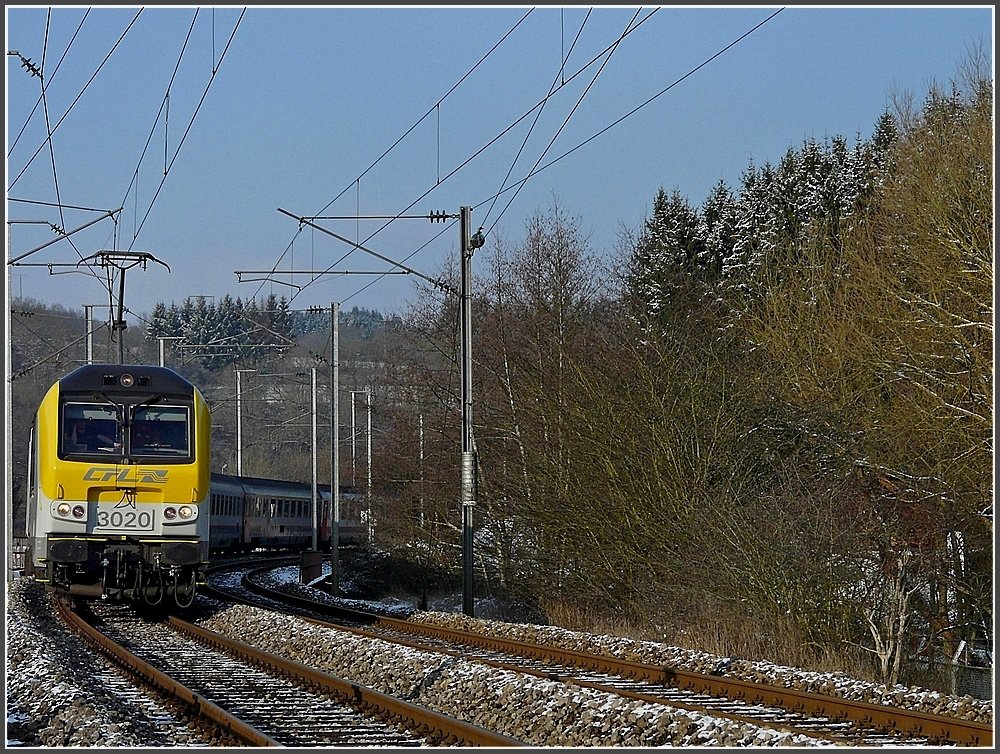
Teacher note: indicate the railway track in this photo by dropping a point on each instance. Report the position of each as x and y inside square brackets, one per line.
[262, 699]
[818, 716]
[823, 718]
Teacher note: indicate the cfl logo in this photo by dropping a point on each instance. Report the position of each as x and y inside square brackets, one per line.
[147, 476]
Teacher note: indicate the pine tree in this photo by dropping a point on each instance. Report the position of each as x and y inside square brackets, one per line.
[158, 321]
[667, 254]
[756, 229]
[717, 230]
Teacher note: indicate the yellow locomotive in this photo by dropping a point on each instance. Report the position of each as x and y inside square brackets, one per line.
[118, 487]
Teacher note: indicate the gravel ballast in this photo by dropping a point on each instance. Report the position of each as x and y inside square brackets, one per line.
[60, 693]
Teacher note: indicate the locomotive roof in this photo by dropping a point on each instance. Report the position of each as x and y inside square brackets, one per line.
[109, 376]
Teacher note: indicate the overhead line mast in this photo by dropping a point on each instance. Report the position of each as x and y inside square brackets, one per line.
[122, 261]
[468, 463]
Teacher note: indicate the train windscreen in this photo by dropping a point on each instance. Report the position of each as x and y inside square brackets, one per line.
[160, 431]
[90, 428]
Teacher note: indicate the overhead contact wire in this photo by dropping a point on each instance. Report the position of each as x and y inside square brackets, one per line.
[163, 105]
[20, 133]
[490, 143]
[75, 101]
[561, 73]
[190, 124]
[396, 143]
[49, 141]
[636, 109]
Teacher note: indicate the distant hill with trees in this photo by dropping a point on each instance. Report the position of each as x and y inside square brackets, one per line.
[237, 330]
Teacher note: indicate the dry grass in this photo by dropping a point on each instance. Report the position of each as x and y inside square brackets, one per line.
[727, 635]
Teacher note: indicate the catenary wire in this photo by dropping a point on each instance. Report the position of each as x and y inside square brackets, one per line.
[489, 144]
[29, 369]
[430, 110]
[39, 203]
[42, 78]
[163, 104]
[187, 130]
[561, 73]
[48, 130]
[27, 120]
[78, 96]
[637, 108]
[108, 283]
[396, 143]
[564, 124]
[535, 171]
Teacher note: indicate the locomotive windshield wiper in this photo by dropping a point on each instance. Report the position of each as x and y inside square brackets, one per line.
[148, 402]
[119, 408]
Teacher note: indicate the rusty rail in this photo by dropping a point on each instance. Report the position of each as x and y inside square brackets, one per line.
[198, 704]
[451, 729]
[935, 727]
[938, 728]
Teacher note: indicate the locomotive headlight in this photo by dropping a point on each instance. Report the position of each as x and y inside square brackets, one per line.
[186, 511]
[170, 513]
[79, 511]
[63, 509]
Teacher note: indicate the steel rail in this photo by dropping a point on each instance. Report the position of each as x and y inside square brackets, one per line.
[568, 679]
[448, 727]
[198, 704]
[935, 727]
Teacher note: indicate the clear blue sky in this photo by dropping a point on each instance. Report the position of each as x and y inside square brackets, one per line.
[305, 100]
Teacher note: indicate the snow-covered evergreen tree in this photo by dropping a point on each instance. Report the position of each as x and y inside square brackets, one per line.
[158, 321]
[717, 229]
[667, 254]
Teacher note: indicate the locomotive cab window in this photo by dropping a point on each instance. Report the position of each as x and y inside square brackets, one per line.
[89, 429]
[162, 433]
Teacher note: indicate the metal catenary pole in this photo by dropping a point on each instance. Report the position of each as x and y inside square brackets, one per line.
[239, 426]
[119, 325]
[354, 445]
[315, 477]
[469, 482]
[87, 308]
[335, 451]
[239, 421]
[8, 427]
[368, 492]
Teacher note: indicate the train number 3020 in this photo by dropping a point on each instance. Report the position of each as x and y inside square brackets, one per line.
[139, 520]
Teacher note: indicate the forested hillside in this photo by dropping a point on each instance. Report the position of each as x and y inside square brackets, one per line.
[766, 416]
[770, 416]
